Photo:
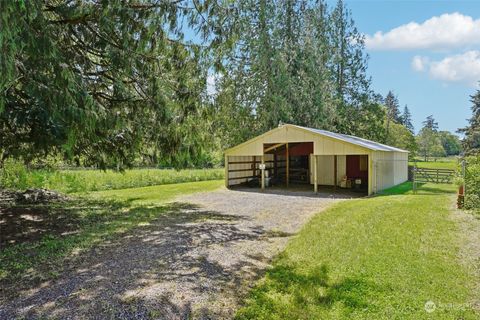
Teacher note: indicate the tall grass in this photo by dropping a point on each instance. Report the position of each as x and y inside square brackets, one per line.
[15, 176]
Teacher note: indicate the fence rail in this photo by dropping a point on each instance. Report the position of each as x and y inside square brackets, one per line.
[424, 175]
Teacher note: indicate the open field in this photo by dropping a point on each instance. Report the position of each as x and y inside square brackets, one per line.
[72, 181]
[438, 163]
[377, 258]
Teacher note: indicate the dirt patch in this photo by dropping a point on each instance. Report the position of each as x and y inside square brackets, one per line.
[27, 216]
[31, 196]
[194, 261]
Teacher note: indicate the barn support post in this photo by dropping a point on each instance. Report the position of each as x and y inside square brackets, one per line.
[315, 178]
[275, 170]
[263, 172]
[287, 156]
[226, 172]
[335, 172]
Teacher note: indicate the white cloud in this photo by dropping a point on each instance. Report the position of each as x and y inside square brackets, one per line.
[450, 30]
[463, 67]
[419, 63]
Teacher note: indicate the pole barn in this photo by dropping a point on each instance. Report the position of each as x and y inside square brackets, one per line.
[292, 154]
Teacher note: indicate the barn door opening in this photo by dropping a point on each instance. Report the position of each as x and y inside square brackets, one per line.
[357, 172]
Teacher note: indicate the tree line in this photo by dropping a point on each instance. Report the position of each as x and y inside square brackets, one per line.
[114, 83]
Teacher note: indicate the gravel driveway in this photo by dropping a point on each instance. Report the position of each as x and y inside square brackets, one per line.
[197, 261]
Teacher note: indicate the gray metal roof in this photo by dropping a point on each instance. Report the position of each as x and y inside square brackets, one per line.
[372, 145]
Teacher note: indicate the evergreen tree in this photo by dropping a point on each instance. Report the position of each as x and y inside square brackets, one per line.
[430, 123]
[348, 65]
[428, 140]
[102, 81]
[471, 141]
[393, 107]
[406, 119]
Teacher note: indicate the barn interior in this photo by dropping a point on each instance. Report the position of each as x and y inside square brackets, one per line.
[293, 166]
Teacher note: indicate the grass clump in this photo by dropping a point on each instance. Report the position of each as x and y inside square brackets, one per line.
[383, 257]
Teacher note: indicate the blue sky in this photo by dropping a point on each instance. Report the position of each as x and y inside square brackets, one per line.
[432, 66]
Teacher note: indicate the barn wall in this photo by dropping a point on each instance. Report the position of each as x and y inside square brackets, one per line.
[391, 168]
[325, 168]
[322, 145]
[401, 167]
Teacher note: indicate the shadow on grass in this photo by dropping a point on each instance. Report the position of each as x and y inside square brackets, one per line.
[24, 224]
[112, 250]
[292, 293]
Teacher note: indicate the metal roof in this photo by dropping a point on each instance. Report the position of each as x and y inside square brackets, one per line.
[372, 145]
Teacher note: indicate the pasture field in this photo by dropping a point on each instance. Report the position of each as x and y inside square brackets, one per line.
[436, 163]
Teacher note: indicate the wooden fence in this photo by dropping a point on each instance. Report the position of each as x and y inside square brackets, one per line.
[424, 175]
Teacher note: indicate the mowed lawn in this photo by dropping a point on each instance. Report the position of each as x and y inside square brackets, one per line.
[156, 194]
[383, 257]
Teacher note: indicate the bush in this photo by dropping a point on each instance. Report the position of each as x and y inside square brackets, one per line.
[472, 183]
[472, 201]
[14, 174]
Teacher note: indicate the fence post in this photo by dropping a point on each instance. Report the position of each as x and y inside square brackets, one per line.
[414, 179]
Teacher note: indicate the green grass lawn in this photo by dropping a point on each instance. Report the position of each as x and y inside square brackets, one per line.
[377, 258]
[95, 218]
[439, 163]
[156, 194]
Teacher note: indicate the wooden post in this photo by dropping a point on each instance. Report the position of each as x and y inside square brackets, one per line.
[226, 172]
[275, 164]
[335, 172]
[315, 181]
[263, 172]
[287, 156]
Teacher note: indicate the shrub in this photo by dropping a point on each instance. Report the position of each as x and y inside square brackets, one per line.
[472, 201]
[472, 182]
[14, 174]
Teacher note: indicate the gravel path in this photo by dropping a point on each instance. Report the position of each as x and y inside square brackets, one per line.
[197, 261]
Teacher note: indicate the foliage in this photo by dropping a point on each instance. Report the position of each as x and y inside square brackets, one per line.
[406, 119]
[472, 182]
[399, 136]
[471, 142]
[428, 140]
[376, 258]
[430, 123]
[97, 220]
[16, 176]
[296, 62]
[100, 82]
[393, 107]
[450, 143]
